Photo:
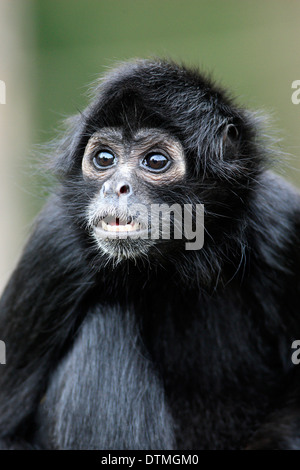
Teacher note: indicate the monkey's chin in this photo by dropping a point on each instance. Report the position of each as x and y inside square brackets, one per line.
[123, 247]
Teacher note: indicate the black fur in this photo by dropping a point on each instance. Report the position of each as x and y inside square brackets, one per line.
[178, 350]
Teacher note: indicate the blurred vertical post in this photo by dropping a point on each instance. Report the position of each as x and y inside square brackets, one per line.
[16, 66]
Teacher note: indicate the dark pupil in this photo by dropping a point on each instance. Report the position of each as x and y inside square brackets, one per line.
[156, 162]
[104, 159]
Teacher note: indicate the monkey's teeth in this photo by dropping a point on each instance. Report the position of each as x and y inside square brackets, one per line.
[120, 228]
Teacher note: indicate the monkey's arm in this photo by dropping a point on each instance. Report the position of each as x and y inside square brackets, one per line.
[275, 285]
[37, 312]
[281, 429]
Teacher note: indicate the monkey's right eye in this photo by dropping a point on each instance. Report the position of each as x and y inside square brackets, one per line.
[103, 160]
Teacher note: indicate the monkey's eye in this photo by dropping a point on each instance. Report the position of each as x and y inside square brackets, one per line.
[156, 162]
[104, 159]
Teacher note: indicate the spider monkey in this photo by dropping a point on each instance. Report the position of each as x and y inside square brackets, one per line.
[120, 341]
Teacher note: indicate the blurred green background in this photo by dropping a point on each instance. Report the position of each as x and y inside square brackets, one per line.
[251, 47]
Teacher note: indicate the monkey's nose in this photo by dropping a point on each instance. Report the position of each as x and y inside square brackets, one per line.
[123, 189]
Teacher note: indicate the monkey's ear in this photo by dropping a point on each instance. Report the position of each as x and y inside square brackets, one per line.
[230, 138]
[230, 134]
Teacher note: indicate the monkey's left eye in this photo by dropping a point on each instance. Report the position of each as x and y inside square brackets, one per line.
[103, 159]
[156, 162]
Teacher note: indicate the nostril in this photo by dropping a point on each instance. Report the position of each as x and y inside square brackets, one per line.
[124, 189]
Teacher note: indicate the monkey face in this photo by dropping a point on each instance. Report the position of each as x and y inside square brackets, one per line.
[129, 172]
[157, 134]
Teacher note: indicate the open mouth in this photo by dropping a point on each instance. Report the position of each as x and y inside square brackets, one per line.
[119, 226]
[116, 224]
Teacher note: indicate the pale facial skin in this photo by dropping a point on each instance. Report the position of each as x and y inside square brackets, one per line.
[122, 165]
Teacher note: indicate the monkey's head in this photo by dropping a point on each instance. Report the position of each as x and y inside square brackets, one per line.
[158, 136]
